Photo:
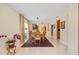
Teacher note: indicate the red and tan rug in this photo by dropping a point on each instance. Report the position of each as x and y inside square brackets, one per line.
[33, 43]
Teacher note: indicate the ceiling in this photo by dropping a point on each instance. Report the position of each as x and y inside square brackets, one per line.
[45, 11]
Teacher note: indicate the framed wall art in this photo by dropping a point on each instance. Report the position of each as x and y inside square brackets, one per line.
[54, 26]
[63, 25]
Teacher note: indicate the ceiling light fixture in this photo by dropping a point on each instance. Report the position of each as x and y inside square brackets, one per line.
[37, 20]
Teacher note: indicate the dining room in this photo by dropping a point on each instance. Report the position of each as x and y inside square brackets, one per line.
[37, 36]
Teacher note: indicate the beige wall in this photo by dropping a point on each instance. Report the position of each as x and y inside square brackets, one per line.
[73, 30]
[9, 21]
[64, 32]
[69, 35]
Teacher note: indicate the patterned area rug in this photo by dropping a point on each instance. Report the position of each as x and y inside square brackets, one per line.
[33, 43]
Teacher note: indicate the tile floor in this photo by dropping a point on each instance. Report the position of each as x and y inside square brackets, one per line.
[58, 49]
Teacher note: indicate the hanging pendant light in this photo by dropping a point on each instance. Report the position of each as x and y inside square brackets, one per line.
[37, 19]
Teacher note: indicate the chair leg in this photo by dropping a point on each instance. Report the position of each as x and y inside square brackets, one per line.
[39, 42]
[42, 39]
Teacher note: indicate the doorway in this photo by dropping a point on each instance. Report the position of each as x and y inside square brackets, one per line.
[26, 32]
[58, 29]
[51, 30]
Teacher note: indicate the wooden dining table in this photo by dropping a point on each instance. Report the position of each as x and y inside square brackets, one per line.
[37, 36]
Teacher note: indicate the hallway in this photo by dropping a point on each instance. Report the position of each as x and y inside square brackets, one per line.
[22, 22]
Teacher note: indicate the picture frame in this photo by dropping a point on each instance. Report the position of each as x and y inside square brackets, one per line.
[54, 26]
[63, 25]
